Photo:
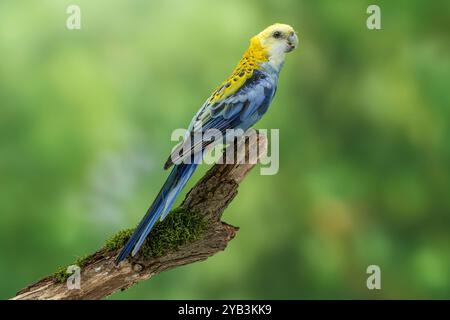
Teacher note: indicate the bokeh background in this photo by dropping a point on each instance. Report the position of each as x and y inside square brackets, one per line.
[86, 118]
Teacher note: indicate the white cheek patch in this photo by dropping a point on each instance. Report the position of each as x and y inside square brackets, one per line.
[278, 48]
[277, 53]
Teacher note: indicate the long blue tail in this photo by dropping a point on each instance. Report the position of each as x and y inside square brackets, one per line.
[164, 200]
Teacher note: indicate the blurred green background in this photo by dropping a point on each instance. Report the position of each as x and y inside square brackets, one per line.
[86, 118]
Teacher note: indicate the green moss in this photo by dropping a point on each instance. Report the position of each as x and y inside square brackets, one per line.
[61, 275]
[81, 261]
[177, 229]
[118, 240]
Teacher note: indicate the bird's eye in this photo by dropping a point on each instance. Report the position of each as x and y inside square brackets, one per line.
[277, 34]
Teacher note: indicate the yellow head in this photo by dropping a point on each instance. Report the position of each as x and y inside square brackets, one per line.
[277, 39]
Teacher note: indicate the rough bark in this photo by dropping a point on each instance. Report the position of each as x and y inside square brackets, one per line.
[100, 276]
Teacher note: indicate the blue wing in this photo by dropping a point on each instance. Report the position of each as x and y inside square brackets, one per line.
[240, 110]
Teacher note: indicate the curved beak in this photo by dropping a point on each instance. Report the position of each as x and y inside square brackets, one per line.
[292, 42]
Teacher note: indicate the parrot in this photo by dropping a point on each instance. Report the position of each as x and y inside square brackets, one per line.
[238, 103]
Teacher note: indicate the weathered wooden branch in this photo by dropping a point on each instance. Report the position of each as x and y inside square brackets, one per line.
[209, 198]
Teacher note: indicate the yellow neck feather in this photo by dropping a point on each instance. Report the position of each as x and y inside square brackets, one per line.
[250, 61]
